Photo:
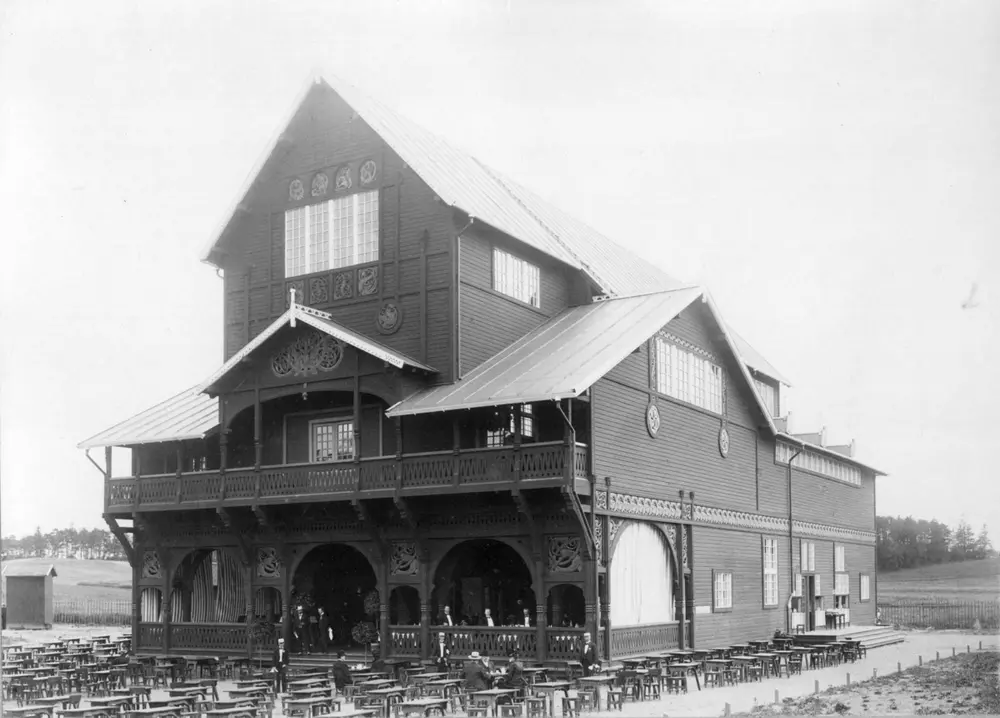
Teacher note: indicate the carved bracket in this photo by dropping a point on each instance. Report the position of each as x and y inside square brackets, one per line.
[266, 520]
[405, 512]
[524, 509]
[230, 522]
[120, 534]
[574, 507]
[366, 520]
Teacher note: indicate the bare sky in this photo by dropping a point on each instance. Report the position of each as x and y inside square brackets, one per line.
[830, 170]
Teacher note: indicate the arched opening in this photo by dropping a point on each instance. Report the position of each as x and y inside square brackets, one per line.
[150, 604]
[478, 575]
[207, 587]
[267, 604]
[642, 587]
[338, 578]
[566, 607]
[404, 606]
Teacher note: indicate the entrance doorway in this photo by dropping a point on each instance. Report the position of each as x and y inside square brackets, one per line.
[340, 580]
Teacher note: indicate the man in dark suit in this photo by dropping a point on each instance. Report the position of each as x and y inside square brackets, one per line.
[588, 656]
[447, 620]
[488, 618]
[442, 652]
[279, 662]
[342, 672]
[300, 624]
[324, 630]
[476, 677]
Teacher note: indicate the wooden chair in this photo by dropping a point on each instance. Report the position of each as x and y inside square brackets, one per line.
[794, 664]
[571, 706]
[536, 707]
[652, 682]
[512, 710]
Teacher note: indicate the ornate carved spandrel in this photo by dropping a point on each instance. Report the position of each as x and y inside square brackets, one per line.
[564, 554]
[308, 354]
[268, 563]
[151, 565]
[403, 559]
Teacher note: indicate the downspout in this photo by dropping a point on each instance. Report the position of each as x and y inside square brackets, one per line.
[457, 305]
[791, 543]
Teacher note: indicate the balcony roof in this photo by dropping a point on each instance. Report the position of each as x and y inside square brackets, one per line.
[565, 356]
[324, 323]
[188, 415]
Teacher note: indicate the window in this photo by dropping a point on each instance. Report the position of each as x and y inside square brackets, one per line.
[768, 394]
[687, 376]
[839, 561]
[516, 278]
[329, 235]
[331, 441]
[817, 463]
[798, 584]
[841, 584]
[818, 591]
[770, 572]
[807, 556]
[722, 595]
[865, 583]
[499, 437]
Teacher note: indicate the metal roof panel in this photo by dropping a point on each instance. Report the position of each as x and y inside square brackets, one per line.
[188, 415]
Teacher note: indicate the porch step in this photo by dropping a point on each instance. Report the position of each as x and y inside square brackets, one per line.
[870, 636]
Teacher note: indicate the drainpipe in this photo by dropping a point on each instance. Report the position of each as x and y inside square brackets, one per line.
[791, 542]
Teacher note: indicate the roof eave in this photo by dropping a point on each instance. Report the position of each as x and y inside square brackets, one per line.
[829, 452]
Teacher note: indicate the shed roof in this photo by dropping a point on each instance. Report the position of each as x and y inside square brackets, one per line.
[18, 570]
[188, 415]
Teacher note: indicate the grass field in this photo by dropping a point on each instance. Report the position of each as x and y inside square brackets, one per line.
[80, 578]
[960, 581]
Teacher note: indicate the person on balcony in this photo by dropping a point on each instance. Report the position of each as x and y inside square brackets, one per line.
[488, 618]
[301, 627]
[527, 618]
[442, 652]
[341, 672]
[477, 678]
[588, 656]
[446, 620]
[279, 663]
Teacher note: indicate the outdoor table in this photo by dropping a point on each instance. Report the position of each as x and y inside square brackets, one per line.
[599, 682]
[308, 682]
[111, 701]
[356, 713]
[315, 692]
[233, 712]
[805, 653]
[549, 689]
[57, 700]
[32, 710]
[255, 683]
[493, 694]
[743, 662]
[686, 668]
[767, 659]
[385, 695]
[375, 684]
[308, 706]
[423, 706]
[633, 663]
[238, 693]
[424, 677]
[87, 712]
[160, 712]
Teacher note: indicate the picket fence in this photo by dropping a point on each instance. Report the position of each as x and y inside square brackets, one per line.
[86, 611]
[940, 614]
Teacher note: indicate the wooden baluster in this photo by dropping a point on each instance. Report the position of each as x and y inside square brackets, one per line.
[456, 438]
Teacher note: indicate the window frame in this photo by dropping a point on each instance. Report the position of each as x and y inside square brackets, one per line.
[773, 571]
[522, 264]
[839, 558]
[528, 413]
[717, 574]
[841, 590]
[360, 242]
[807, 556]
[864, 581]
[335, 421]
[693, 378]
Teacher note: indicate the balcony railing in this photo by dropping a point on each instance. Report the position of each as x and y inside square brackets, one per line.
[538, 464]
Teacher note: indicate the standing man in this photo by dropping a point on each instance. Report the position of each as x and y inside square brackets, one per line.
[446, 621]
[324, 630]
[300, 624]
[279, 663]
[488, 618]
[527, 618]
[588, 656]
[442, 653]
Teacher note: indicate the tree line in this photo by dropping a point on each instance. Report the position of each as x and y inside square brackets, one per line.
[909, 542]
[64, 543]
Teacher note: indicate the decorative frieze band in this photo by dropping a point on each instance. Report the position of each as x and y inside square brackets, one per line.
[646, 507]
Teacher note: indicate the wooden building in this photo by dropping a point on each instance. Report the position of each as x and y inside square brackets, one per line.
[28, 595]
[439, 390]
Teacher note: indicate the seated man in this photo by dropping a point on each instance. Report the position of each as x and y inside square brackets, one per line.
[514, 677]
[378, 665]
[342, 672]
[476, 677]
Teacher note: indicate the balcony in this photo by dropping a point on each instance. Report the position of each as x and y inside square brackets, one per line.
[536, 465]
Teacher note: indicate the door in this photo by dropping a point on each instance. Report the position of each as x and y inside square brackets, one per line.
[809, 586]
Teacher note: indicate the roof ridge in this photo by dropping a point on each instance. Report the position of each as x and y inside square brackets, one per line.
[541, 223]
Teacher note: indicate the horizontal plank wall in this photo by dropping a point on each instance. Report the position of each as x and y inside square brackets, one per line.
[859, 560]
[741, 553]
[825, 500]
[416, 234]
[489, 320]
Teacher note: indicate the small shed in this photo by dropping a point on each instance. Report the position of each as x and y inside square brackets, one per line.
[29, 595]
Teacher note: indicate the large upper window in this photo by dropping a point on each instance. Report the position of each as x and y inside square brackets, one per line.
[331, 234]
[687, 376]
[516, 278]
[770, 572]
[807, 556]
[722, 590]
[768, 394]
[818, 463]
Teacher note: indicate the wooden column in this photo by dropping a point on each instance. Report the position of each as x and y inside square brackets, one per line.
[541, 622]
[356, 419]
[426, 583]
[590, 599]
[286, 598]
[679, 566]
[456, 452]
[258, 444]
[167, 606]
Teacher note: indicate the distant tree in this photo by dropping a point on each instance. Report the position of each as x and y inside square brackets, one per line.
[963, 543]
[983, 548]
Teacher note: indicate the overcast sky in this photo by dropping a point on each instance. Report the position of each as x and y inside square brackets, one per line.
[829, 170]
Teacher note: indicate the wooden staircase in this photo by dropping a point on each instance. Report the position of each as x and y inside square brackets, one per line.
[870, 636]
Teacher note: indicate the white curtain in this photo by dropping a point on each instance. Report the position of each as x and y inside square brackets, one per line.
[641, 579]
[149, 605]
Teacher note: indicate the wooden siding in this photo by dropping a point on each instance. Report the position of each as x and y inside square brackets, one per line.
[824, 500]
[490, 321]
[416, 239]
[741, 553]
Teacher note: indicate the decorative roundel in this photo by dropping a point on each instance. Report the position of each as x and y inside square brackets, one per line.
[296, 190]
[343, 180]
[368, 172]
[724, 442]
[320, 184]
[390, 316]
[652, 419]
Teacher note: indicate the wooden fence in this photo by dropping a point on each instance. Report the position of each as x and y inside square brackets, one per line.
[85, 611]
[940, 614]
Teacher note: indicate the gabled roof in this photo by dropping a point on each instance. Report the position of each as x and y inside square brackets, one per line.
[566, 355]
[756, 361]
[29, 570]
[188, 415]
[322, 321]
[463, 182]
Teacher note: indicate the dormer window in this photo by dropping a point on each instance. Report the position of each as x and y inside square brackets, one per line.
[768, 394]
[332, 234]
[516, 278]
